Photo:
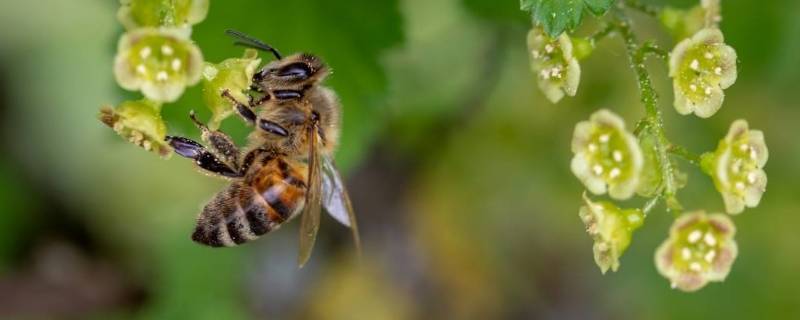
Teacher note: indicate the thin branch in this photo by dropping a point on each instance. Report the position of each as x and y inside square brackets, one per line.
[647, 9]
[684, 154]
[654, 122]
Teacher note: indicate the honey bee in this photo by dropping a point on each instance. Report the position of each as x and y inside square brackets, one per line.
[287, 169]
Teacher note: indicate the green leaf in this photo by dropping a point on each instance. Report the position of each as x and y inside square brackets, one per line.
[557, 16]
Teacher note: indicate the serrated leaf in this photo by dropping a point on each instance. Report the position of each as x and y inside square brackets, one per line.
[557, 16]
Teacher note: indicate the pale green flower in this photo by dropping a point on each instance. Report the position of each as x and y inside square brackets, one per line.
[554, 64]
[607, 158]
[700, 68]
[183, 14]
[737, 167]
[159, 62]
[611, 228]
[234, 75]
[700, 249]
[140, 123]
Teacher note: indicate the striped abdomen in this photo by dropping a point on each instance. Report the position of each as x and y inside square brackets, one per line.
[271, 195]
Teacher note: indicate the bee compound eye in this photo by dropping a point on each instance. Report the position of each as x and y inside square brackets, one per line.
[297, 70]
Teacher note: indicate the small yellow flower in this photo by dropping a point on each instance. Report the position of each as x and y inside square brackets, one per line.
[737, 167]
[552, 60]
[700, 249]
[140, 123]
[700, 68]
[606, 156]
[159, 62]
[611, 228]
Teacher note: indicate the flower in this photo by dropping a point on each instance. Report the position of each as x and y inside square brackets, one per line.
[135, 14]
[159, 62]
[140, 122]
[606, 156]
[700, 68]
[611, 228]
[737, 167]
[700, 249]
[553, 62]
[234, 75]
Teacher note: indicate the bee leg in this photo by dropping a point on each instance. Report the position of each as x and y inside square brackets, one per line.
[207, 161]
[220, 143]
[244, 111]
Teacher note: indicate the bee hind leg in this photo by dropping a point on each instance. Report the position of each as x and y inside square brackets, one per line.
[204, 159]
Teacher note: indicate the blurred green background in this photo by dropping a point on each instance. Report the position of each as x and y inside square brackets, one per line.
[457, 165]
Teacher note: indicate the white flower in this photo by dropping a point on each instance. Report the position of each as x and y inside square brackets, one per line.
[606, 156]
[700, 249]
[700, 68]
[159, 62]
[737, 167]
[554, 64]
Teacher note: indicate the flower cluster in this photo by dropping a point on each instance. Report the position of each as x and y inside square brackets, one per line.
[700, 249]
[155, 56]
[553, 62]
[607, 157]
[737, 167]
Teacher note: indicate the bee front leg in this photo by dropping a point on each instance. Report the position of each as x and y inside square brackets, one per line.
[204, 159]
[221, 144]
[244, 111]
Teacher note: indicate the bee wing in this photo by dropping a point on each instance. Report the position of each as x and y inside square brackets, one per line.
[336, 200]
[309, 221]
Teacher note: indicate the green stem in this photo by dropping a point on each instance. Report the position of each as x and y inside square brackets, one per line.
[684, 154]
[653, 122]
[600, 34]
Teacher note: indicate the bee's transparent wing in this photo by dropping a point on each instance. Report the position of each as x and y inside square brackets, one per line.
[335, 198]
[309, 220]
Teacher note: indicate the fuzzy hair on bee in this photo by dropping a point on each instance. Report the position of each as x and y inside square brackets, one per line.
[287, 168]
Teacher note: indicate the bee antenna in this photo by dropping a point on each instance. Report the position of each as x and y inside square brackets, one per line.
[251, 42]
